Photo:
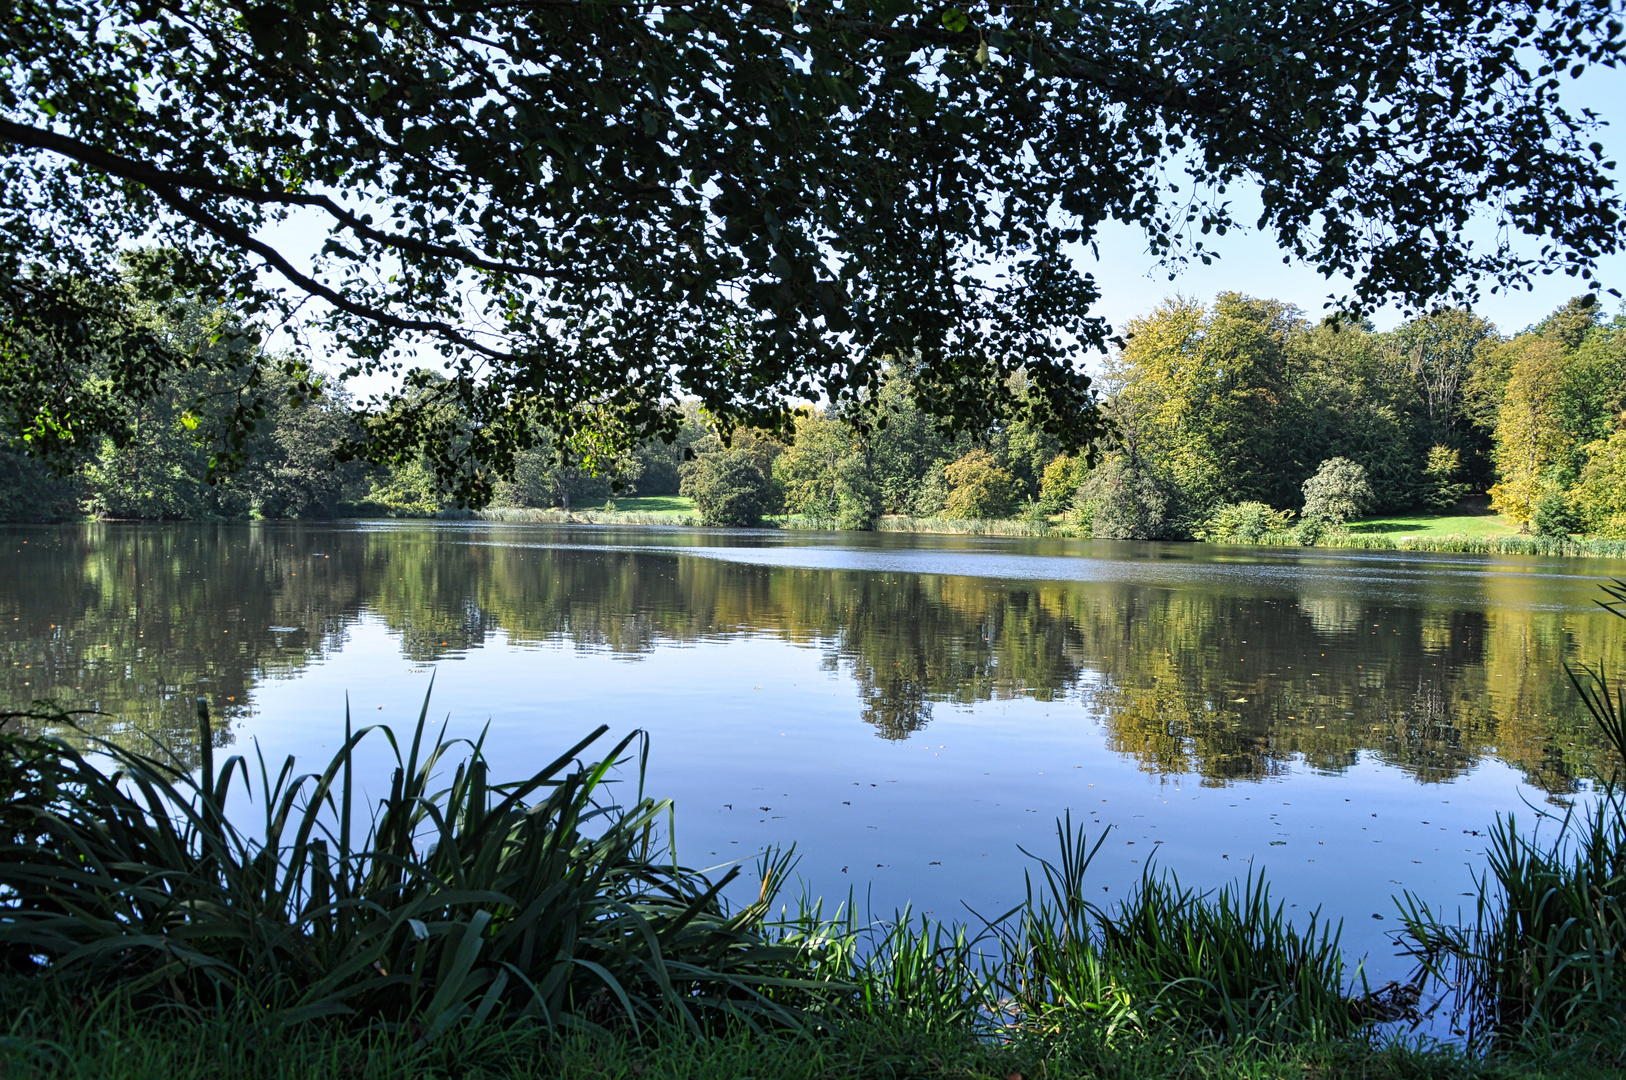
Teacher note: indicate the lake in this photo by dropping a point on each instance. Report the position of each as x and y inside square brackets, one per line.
[907, 710]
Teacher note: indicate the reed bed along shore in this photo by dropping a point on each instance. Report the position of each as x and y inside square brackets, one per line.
[143, 908]
[1571, 547]
[1476, 545]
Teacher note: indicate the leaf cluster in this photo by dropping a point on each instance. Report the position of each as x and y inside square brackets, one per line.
[751, 202]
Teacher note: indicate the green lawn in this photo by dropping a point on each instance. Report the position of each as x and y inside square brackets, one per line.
[1483, 523]
[647, 504]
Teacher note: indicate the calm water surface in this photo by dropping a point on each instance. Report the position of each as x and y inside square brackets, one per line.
[907, 710]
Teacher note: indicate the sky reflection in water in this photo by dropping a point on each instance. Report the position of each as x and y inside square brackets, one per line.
[907, 710]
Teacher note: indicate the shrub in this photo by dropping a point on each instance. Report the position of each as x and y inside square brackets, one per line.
[930, 499]
[728, 488]
[1553, 515]
[1338, 491]
[858, 496]
[1126, 501]
[1442, 489]
[978, 488]
[409, 491]
[1244, 522]
[1309, 532]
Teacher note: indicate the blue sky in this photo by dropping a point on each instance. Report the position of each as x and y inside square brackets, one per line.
[1250, 263]
[1133, 283]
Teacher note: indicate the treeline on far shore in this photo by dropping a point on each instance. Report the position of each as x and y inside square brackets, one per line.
[1240, 420]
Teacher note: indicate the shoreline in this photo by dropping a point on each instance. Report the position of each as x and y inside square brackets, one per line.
[1455, 543]
[1447, 543]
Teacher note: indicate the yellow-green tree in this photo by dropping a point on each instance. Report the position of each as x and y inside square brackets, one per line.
[810, 470]
[1530, 435]
[1059, 482]
[979, 488]
[1599, 495]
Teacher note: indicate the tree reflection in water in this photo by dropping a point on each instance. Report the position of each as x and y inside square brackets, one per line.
[1228, 681]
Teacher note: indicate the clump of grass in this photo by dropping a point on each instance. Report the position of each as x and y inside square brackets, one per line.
[1226, 966]
[449, 902]
[1545, 953]
[1223, 965]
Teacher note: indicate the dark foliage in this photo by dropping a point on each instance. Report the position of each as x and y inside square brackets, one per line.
[751, 202]
[728, 488]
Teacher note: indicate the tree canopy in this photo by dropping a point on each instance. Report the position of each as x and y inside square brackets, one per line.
[589, 210]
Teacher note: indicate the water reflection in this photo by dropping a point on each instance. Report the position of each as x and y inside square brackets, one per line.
[1226, 664]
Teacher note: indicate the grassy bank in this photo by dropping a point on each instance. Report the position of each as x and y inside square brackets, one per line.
[1482, 523]
[642, 510]
[60, 1037]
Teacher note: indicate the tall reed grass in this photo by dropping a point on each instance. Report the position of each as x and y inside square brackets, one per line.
[1222, 965]
[903, 523]
[1473, 545]
[976, 527]
[1217, 966]
[438, 905]
[1545, 951]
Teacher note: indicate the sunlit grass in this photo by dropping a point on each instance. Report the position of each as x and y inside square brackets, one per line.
[642, 504]
[54, 1036]
[1395, 526]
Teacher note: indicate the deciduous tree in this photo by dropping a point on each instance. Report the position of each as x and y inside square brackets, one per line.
[1530, 437]
[1599, 496]
[728, 488]
[978, 487]
[754, 202]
